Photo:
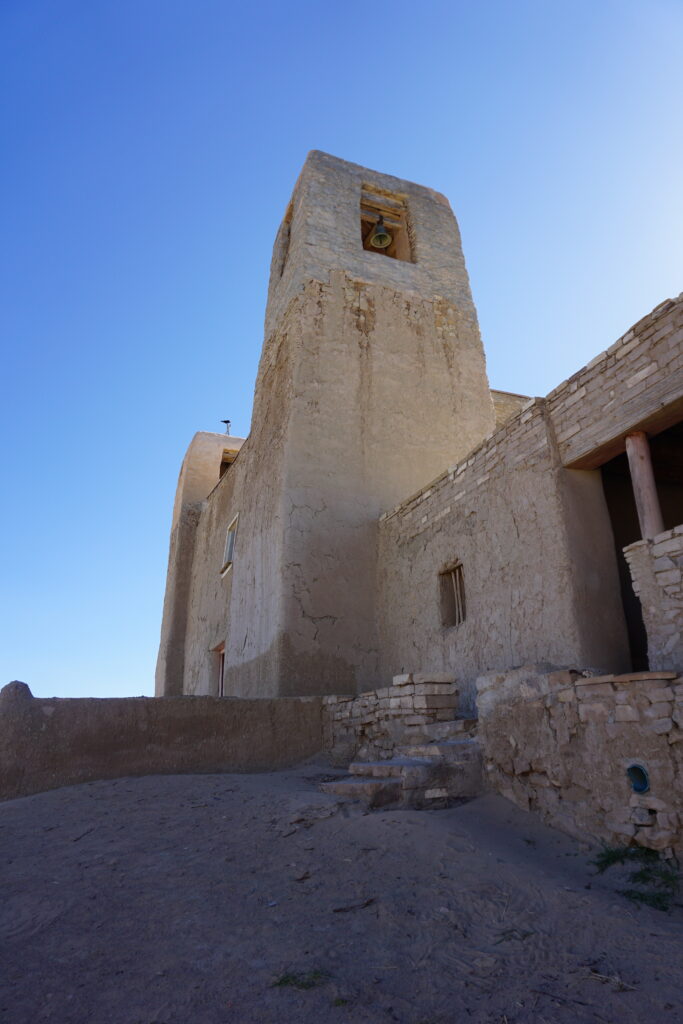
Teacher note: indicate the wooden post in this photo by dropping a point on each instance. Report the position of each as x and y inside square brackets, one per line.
[644, 487]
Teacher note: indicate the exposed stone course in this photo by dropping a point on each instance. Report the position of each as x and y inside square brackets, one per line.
[374, 724]
[563, 751]
[657, 572]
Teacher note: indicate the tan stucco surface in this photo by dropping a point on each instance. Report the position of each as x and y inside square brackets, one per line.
[538, 560]
[47, 743]
[341, 430]
[199, 474]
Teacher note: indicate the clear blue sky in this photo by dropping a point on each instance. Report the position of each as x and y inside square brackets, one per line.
[150, 148]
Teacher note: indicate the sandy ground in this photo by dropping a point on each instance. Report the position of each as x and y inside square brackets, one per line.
[185, 899]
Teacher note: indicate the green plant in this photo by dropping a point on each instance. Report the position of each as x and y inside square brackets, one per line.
[657, 880]
[301, 981]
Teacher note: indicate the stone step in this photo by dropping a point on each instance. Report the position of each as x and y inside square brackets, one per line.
[452, 729]
[371, 792]
[451, 752]
[391, 768]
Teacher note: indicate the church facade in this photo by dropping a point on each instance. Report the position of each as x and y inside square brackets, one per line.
[388, 512]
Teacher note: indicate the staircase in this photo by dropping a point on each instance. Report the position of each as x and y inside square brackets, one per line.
[445, 767]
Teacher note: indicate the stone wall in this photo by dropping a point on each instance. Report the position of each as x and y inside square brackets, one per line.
[657, 572]
[47, 743]
[560, 744]
[634, 384]
[373, 725]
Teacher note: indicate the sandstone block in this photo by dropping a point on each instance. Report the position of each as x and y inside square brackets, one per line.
[668, 820]
[662, 693]
[436, 794]
[625, 713]
[657, 711]
[642, 816]
[661, 726]
[645, 800]
[434, 677]
[435, 689]
[654, 838]
[593, 711]
[403, 680]
[567, 695]
[590, 690]
[401, 691]
[537, 779]
[445, 701]
[627, 831]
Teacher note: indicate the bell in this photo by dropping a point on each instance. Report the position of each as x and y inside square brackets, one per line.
[380, 237]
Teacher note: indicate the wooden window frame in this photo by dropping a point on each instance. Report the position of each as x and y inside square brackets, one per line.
[452, 602]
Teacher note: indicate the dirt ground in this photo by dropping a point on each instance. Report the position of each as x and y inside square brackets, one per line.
[255, 898]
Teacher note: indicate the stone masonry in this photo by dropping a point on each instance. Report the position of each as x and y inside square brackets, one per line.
[657, 571]
[560, 744]
[374, 724]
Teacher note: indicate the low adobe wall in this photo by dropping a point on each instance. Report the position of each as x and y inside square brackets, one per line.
[560, 744]
[47, 743]
[657, 572]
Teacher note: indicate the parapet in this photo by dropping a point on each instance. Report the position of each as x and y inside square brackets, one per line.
[326, 225]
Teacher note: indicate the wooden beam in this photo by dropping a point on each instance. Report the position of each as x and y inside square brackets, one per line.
[644, 486]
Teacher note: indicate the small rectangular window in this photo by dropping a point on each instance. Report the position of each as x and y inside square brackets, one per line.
[452, 595]
[229, 552]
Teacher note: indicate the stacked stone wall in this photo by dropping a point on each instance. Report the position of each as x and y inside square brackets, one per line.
[560, 744]
[657, 572]
[373, 724]
[628, 385]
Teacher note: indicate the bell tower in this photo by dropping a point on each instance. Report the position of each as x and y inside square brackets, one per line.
[373, 342]
[372, 382]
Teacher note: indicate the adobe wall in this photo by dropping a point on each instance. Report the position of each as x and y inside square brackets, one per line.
[657, 572]
[538, 560]
[560, 744]
[354, 340]
[47, 743]
[199, 474]
[525, 513]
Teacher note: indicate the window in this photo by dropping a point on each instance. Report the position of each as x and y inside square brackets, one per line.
[229, 552]
[452, 595]
[389, 212]
[218, 670]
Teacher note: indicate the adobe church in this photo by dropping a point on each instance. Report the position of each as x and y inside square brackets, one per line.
[445, 590]
[389, 513]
